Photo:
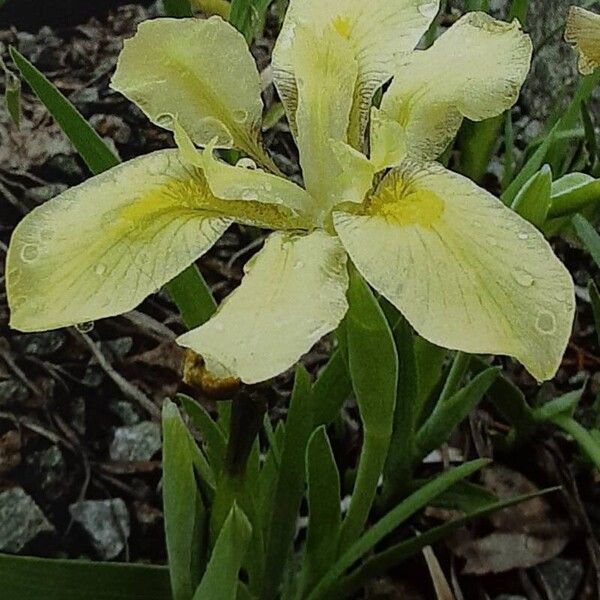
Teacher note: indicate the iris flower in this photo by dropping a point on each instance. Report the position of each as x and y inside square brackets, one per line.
[466, 271]
[583, 32]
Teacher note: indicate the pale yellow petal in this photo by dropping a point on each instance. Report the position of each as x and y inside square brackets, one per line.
[199, 71]
[583, 32]
[326, 72]
[293, 293]
[474, 70]
[387, 140]
[251, 183]
[466, 271]
[100, 248]
[377, 31]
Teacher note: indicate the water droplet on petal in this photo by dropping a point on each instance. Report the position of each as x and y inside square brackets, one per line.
[165, 120]
[428, 9]
[100, 269]
[546, 323]
[523, 236]
[29, 253]
[298, 264]
[240, 115]
[85, 327]
[268, 187]
[523, 278]
[249, 195]
[246, 163]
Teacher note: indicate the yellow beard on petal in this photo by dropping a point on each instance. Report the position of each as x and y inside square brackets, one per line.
[398, 203]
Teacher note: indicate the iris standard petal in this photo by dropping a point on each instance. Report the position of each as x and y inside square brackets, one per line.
[474, 70]
[466, 271]
[377, 32]
[293, 293]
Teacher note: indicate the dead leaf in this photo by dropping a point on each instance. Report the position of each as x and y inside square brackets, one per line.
[440, 583]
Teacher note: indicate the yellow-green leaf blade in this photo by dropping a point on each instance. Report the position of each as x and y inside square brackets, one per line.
[293, 294]
[467, 273]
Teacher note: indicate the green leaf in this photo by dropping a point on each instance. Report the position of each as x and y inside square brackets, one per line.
[249, 16]
[519, 10]
[32, 578]
[373, 366]
[183, 508]
[595, 300]
[87, 142]
[533, 200]
[378, 564]
[572, 193]
[476, 143]
[398, 466]
[212, 436]
[188, 290]
[589, 236]
[448, 414]
[220, 582]
[586, 87]
[587, 442]
[430, 364]
[564, 405]
[466, 497]
[12, 94]
[324, 516]
[177, 8]
[390, 522]
[290, 484]
[331, 389]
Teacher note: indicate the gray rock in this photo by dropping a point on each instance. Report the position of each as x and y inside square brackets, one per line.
[12, 392]
[50, 470]
[21, 520]
[106, 522]
[561, 578]
[136, 442]
[125, 411]
[39, 344]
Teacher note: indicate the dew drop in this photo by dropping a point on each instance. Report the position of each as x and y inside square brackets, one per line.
[268, 187]
[164, 120]
[240, 116]
[85, 327]
[249, 195]
[428, 9]
[546, 323]
[100, 269]
[29, 253]
[523, 278]
[523, 236]
[246, 163]
[298, 264]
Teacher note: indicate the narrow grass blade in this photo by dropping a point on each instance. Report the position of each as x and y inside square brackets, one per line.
[476, 143]
[576, 192]
[183, 508]
[448, 414]
[564, 405]
[519, 9]
[533, 200]
[324, 515]
[220, 582]
[32, 578]
[290, 485]
[331, 389]
[212, 436]
[589, 236]
[378, 564]
[391, 521]
[87, 142]
[373, 366]
[585, 440]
